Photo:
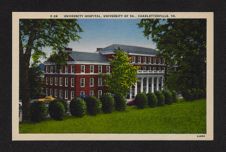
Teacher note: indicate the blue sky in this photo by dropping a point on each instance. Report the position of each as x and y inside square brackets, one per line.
[98, 33]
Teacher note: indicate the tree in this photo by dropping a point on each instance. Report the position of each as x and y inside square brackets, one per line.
[123, 74]
[182, 42]
[36, 34]
[35, 81]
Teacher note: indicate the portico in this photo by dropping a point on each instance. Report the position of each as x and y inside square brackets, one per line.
[147, 82]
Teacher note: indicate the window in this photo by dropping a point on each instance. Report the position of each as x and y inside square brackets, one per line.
[144, 67]
[99, 81]
[82, 82]
[66, 69]
[51, 81]
[60, 81]
[60, 69]
[66, 94]
[60, 94]
[47, 91]
[56, 81]
[91, 68]
[72, 69]
[72, 82]
[83, 68]
[91, 93]
[91, 82]
[72, 95]
[51, 92]
[51, 69]
[99, 68]
[55, 92]
[133, 59]
[55, 69]
[46, 80]
[108, 69]
[154, 60]
[82, 93]
[145, 59]
[99, 93]
[66, 82]
[150, 59]
[47, 69]
[139, 59]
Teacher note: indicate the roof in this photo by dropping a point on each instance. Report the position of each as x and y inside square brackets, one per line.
[88, 56]
[129, 49]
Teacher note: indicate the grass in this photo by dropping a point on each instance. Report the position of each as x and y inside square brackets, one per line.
[182, 117]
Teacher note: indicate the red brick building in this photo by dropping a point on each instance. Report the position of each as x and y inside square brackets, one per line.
[83, 74]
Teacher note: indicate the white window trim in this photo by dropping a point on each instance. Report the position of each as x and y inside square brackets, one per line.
[100, 71]
[72, 82]
[145, 59]
[91, 85]
[65, 94]
[133, 59]
[92, 68]
[100, 84]
[72, 93]
[51, 80]
[84, 69]
[56, 81]
[47, 80]
[60, 81]
[139, 59]
[66, 67]
[84, 80]
[65, 82]
[55, 92]
[108, 69]
[91, 94]
[99, 93]
[72, 68]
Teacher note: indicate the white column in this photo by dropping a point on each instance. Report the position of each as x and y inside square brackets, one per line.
[162, 82]
[147, 84]
[135, 89]
[130, 93]
[152, 84]
[157, 87]
[141, 85]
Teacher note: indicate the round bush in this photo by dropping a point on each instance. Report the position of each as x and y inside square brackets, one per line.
[78, 107]
[187, 95]
[107, 103]
[93, 105]
[38, 111]
[64, 104]
[56, 110]
[152, 99]
[120, 103]
[168, 96]
[174, 96]
[160, 98]
[141, 100]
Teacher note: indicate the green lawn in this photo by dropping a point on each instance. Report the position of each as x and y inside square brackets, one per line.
[182, 117]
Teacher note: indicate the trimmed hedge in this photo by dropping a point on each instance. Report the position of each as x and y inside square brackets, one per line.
[107, 103]
[192, 94]
[168, 96]
[78, 107]
[152, 99]
[141, 100]
[56, 110]
[160, 97]
[64, 103]
[38, 111]
[93, 105]
[120, 103]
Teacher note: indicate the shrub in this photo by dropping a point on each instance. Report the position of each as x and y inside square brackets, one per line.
[152, 99]
[160, 98]
[78, 107]
[38, 111]
[64, 103]
[168, 96]
[93, 105]
[56, 110]
[141, 100]
[131, 103]
[107, 103]
[120, 103]
[187, 95]
[174, 96]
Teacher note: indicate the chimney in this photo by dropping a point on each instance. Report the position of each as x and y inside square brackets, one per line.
[99, 49]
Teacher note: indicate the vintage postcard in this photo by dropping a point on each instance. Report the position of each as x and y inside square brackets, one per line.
[112, 76]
